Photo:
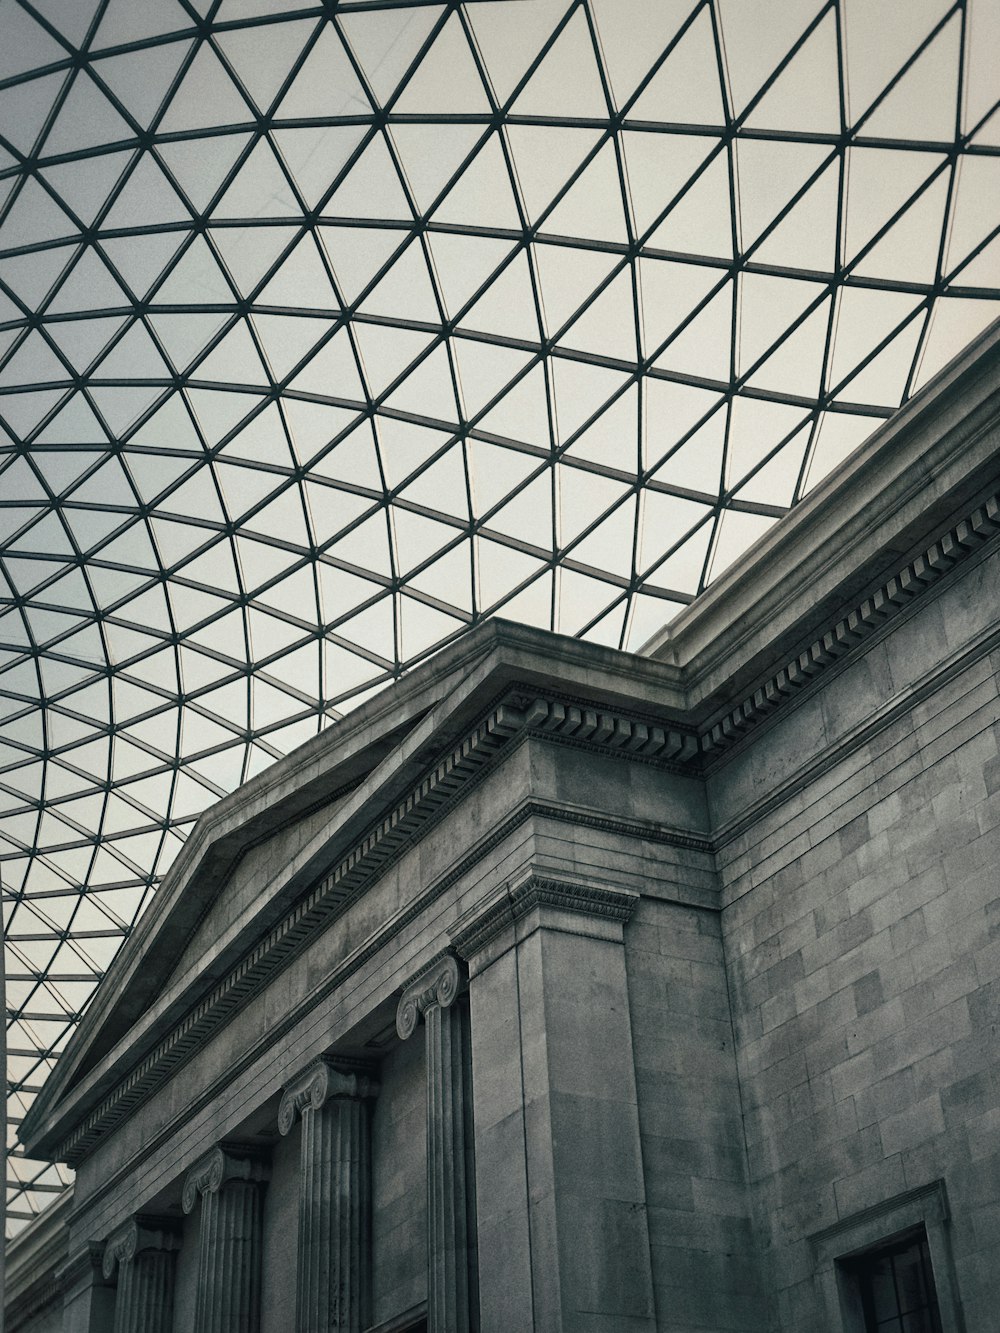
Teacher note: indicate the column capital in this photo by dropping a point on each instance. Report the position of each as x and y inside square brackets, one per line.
[221, 1164]
[139, 1233]
[325, 1078]
[438, 983]
[606, 906]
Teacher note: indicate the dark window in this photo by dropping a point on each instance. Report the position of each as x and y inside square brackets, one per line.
[897, 1288]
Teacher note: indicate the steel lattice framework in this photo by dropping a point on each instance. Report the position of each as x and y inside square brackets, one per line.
[328, 329]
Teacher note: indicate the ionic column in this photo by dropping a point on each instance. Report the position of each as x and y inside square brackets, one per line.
[451, 1266]
[227, 1181]
[335, 1196]
[144, 1250]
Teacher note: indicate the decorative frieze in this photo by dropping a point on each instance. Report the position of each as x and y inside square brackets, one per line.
[333, 1288]
[451, 1255]
[143, 1251]
[228, 1183]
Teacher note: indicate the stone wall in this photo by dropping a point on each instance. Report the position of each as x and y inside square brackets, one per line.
[860, 845]
[702, 1247]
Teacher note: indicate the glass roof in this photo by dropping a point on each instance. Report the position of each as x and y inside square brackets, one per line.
[327, 330]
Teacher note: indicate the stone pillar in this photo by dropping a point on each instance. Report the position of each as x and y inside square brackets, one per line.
[452, 1298]
[88, 1296]
[144, 1250]
[228, 1181]
[561, 1200]
[335, 1198]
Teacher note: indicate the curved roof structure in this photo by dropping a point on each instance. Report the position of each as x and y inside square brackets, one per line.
[328, 329]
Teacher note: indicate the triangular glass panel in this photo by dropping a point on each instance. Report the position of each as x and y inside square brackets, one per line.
[442, 486]
[141, 79]
[387, 353]
[134, 356]
[483, 195]
[428, 389]
[806, 94]
[880, 181]
[567, 83]
[84, 186]
[200, 166]
[406, 292]
[371, 188]
[332, 372]
[462, 264]
[139, 260]
[24, 107]
[686, 87]
[326, 85]
[523, 413]
[235, 360]
[88, 287]
[404, 447]
[431, 154]
[659, 165]
[263, 79]
[670, 292]
[700, 223]
[446, 79]
[545, 157]
[259, 189]
[702, 349]
[146, 198]
[316, 156]
[757, 41]
[567, 278]
[34, 217]
[250, 252]
[183, 337]
[507, 308]
[592, 207]
[86, 118]
[387, 42]
[770, 174]
[205, 97]
[806, 237]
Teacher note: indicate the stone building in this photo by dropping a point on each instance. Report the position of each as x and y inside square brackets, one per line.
[562, 988]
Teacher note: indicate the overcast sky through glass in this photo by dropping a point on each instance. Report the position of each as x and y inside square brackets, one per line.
[326, 331]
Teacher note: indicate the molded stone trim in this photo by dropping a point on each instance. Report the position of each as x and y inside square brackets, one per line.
[489, 919]
[926, 1207]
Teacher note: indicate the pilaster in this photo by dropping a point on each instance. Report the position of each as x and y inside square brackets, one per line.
[334, 1252]
[562, 1227]
[228, 1182]
[88, 1296]
[144, 1252]
[452, 1296]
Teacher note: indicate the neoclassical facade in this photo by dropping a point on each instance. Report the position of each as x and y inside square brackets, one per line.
[563, 989]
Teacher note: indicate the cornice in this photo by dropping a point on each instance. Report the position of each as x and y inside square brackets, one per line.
[962, 541]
